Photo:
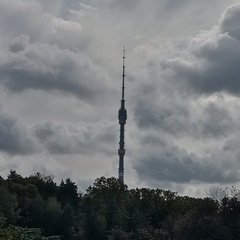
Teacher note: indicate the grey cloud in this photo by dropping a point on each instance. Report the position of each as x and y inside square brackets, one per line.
[125, 5]
[179, 118]
[152, 110]
[171, 5]
[19, 43]
[69, 139]
[216, 121]
[173, 164]
[23, 17]
[213, 65]
[215, 68]
[73, 47]
[46, 67]
[49, 22]
[179, 115]
[15, 137]
[231, 144]
[229, 23]
[87, 139]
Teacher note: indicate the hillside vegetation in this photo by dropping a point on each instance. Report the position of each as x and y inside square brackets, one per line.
[35, 207]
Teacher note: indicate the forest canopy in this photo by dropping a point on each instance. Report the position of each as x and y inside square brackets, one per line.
[36, 207]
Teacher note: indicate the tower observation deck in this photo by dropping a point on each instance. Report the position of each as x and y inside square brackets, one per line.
[122, 117]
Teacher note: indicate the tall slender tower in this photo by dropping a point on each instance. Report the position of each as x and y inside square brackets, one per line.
[122, 117]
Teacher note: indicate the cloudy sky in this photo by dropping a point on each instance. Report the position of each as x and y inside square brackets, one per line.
[60, 83]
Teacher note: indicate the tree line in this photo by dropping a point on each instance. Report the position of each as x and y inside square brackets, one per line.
[36, 207]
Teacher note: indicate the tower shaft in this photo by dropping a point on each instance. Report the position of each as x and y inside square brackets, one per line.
[122, 117]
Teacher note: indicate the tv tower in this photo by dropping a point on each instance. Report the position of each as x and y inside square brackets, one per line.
[122, 117]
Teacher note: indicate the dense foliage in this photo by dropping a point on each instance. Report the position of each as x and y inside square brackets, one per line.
[35, 206]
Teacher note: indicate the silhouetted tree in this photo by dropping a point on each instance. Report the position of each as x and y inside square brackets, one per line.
[68, 194]
[9, 205]
[109, 211]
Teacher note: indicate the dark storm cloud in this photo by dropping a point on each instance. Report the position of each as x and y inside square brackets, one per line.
[15, 137]
[173, 164]
[44, 50]
[180, 116]
[155, 110]
[55, 138]
[47, 67]
[69, 139]
[190, 104]
[213, 66]
[19, 43]
[73, 48]
[215, 121]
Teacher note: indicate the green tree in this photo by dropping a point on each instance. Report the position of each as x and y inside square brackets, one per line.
[37, 212]
[67, 222]
[13, 176]
[52, 216]
[9, 205]
[68, 193]
[230, 215]
[111, 194]
[45, 185]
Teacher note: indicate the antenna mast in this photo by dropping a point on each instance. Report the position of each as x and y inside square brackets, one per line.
[122, 117]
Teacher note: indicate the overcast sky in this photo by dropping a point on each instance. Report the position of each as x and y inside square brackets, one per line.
[60, 90]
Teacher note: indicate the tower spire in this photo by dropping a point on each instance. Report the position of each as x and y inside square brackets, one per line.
[123, 74]
[122, 117]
